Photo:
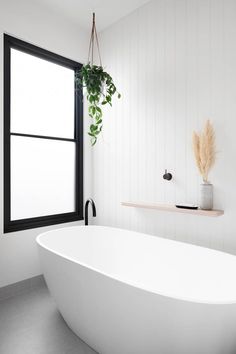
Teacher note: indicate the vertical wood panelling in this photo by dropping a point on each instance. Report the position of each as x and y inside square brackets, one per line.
[174, 63]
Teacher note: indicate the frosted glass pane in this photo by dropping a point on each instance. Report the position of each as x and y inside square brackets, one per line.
[42, 177]
[42, 97]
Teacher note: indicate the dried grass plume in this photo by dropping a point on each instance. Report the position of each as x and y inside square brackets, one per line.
[204, 150]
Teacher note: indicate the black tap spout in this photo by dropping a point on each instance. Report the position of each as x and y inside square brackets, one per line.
[89, 201]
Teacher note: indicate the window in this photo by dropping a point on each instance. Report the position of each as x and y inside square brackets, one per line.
[43, 138]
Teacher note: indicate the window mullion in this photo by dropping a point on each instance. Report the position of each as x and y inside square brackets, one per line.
[43, 137]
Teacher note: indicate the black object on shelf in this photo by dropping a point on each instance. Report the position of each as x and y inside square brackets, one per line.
[187, 206]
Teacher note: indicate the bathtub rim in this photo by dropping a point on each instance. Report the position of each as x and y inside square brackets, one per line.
[133, 284]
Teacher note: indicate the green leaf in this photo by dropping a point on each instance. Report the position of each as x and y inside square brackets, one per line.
[94, 140]
[93, 127]
[91, 98]
[93, 110]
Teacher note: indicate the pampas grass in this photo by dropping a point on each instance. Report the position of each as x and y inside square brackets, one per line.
[204, 150]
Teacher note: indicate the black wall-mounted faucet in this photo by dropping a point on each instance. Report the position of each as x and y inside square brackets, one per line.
[167, 176]
[89, 201]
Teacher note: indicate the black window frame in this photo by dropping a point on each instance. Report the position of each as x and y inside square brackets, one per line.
[30, 223]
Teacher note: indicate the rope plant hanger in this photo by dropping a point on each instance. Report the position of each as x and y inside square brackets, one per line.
[99, 85]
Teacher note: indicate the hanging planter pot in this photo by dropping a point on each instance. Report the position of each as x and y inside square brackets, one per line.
[99, 86]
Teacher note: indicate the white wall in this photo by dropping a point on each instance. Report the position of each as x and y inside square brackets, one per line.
[33, 23]
[174, 62]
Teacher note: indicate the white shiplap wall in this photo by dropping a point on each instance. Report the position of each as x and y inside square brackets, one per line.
[174, 62]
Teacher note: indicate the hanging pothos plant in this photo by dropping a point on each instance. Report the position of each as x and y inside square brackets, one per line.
[99, 85]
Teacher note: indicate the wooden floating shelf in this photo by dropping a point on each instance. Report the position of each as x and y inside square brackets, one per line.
[172, 208]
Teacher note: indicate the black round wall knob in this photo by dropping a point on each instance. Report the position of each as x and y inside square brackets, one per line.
[167, 176]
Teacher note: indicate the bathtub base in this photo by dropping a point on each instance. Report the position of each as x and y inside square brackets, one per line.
[116, 318]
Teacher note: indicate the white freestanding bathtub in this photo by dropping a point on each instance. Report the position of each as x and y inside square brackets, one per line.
[124, 292]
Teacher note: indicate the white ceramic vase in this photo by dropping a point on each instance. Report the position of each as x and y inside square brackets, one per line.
[206, 196]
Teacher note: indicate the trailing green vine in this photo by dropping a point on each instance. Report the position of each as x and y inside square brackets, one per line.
[100, 89]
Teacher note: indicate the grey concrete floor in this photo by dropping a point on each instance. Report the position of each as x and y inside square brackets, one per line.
[31, 324]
